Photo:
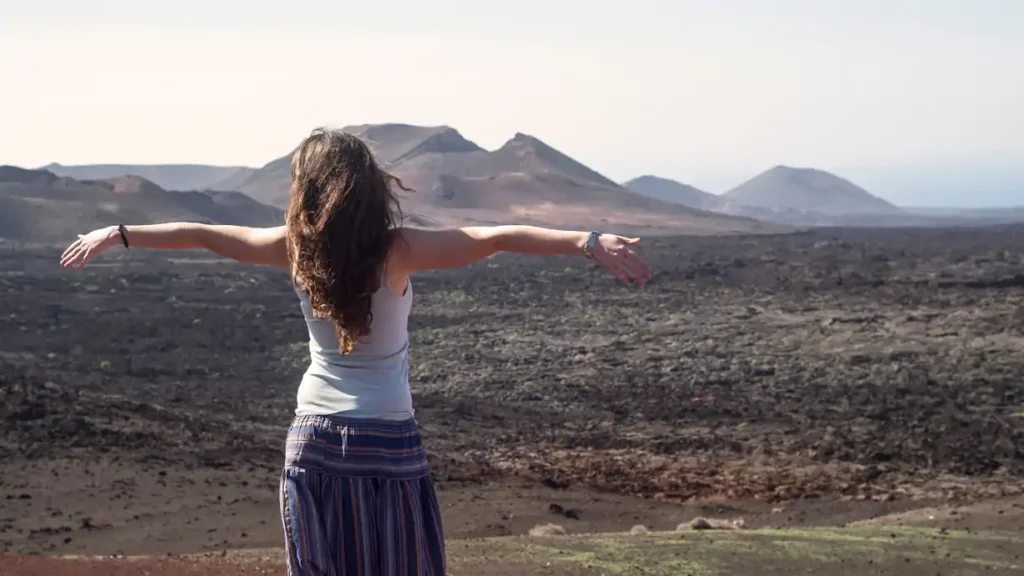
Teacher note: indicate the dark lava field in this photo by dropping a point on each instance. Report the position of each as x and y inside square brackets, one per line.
[857, 365]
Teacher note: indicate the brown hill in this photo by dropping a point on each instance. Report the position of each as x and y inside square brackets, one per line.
[166, 176]
[808, 189]
[920, 217]
[672, 191]
[39, 206]
[524, 181]
[392, 143]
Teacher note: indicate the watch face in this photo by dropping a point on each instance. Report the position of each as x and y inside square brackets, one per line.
[591, 242]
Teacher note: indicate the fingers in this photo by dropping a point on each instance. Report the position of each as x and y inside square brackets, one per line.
[639, 268]
[74, 245]
[621, 274]
[70, 253]
[632, 265]
[70, 259]
[86, 256]
[637, 276]
[76, 255]
[623, 263]
[68, 256]
[79, 253]
[615, 266]
[625, 273]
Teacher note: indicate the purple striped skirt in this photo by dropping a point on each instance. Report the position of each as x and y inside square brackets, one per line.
[357, 499]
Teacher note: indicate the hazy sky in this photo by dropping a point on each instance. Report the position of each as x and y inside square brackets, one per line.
[695, 90]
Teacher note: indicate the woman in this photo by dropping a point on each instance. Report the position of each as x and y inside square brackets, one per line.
[356, 494]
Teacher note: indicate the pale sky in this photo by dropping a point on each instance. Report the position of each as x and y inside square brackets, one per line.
[697, 90]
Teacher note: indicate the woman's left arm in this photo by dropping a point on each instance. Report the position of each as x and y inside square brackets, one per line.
[244, 244]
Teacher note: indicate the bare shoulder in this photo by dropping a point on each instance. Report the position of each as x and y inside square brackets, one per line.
[267, 245]
[417, 249]
[271, 233]
[406, 235]
[399, 252]
[403, 240]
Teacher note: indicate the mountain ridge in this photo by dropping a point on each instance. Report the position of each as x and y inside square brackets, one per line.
[40, 206]
[808, 189]
[524, 180]
[902, 217]
[675, 191]
[167, 176]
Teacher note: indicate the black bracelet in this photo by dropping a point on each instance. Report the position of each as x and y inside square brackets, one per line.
[124, 236]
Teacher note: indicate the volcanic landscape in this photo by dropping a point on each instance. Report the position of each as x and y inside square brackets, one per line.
[816, 377]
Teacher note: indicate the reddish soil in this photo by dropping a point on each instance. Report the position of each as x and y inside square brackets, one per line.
[42, 566]
[839, 375]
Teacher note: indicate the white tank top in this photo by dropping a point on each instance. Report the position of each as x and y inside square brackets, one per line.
[372, 381]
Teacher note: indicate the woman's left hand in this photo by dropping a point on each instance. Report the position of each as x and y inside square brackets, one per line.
[89, 246]
[614, 254]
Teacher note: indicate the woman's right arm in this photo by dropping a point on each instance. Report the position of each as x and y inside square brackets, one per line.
[241, 243]
[421, 249]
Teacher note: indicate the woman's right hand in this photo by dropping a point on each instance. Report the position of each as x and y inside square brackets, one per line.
[613, 252]
[89, 246]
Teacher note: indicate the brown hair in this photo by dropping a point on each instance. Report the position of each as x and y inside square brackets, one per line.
[341, 216]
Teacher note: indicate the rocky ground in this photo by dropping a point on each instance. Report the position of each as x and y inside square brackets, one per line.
[823, 377]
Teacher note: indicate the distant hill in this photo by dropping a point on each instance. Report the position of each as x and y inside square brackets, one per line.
[810, 190]
[525, 180]
[803, 218]
[166, 176]
[672, 191]
[40, 206]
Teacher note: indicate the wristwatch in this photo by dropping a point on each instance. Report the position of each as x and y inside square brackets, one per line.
[588, 248]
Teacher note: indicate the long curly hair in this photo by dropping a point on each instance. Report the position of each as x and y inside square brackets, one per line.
[341, 219]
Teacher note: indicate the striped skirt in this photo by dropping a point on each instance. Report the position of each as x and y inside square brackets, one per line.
[357, 499]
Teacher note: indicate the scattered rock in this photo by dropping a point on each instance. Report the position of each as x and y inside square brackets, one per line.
[542, 530]
[695, 524]
[555, 483]
[570, 513]
[701, 523]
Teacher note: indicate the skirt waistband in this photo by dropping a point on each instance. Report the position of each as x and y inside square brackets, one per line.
[365, 447]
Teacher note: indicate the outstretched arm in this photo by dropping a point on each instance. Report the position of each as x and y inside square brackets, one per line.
[245, 244]
[419, 249]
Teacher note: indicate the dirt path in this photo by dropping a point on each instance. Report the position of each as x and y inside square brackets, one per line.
[977, 538]
[120, 507]
[826, 552]
[902, 551]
